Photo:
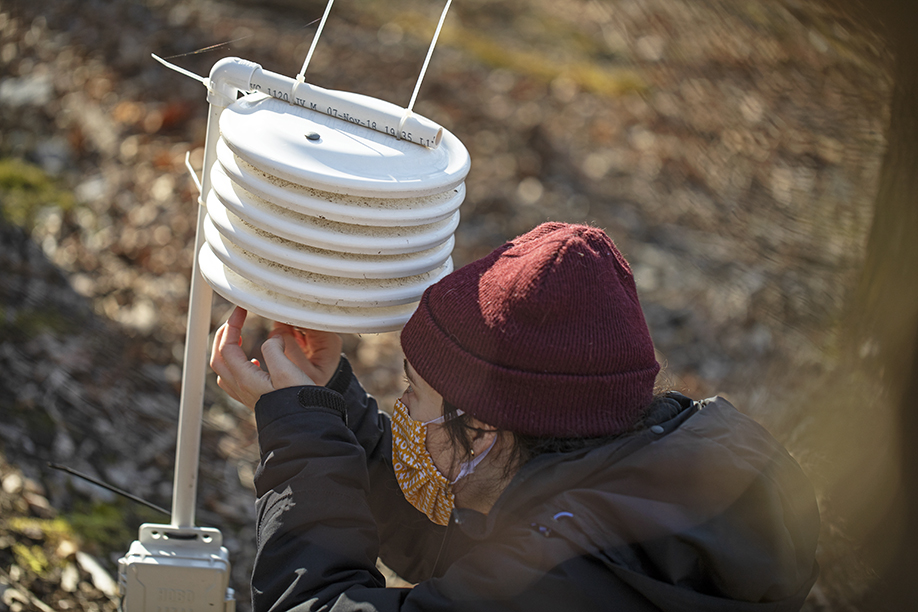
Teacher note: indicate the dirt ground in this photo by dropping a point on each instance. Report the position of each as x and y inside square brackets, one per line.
[731, 150]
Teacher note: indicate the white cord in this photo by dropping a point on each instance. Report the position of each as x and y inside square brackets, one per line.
[433, 44]
[194, 175]
[315, 39]
[187, 73]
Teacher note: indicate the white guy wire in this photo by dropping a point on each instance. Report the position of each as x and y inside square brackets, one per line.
[433, 44]
[315, 39]
[194, 175]
[187, 73]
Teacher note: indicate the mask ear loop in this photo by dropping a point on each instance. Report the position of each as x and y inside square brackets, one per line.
[442, 419]
[468, 467]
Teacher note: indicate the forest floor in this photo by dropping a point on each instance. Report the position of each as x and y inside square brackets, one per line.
[730, 149]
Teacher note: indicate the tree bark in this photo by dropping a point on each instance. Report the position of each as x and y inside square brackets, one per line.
[884, 318]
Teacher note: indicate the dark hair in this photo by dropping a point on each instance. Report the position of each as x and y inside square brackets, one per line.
[525, 448]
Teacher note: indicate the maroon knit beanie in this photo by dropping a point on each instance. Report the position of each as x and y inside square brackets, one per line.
[544, 336]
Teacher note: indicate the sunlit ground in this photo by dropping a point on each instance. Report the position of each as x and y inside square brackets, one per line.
[731, 150]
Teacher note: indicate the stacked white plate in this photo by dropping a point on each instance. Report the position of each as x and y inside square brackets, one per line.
[322, 223]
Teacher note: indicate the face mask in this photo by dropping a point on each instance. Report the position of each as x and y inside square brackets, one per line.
[421, 482]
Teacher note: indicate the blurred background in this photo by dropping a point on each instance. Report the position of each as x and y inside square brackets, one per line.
[755, 161]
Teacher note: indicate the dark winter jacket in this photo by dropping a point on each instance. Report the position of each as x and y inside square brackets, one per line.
[700, 510]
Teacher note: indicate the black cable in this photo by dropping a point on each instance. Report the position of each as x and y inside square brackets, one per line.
[99, 483]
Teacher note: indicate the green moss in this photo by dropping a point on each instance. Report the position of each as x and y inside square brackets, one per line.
[103, 525]
[590, 76]
[25, 189]
[32, 558]
[97, 527]
[589, 73]
[110, 526]
[54, 530]
[38, 558]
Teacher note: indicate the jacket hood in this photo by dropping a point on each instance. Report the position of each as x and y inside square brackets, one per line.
[701, 509]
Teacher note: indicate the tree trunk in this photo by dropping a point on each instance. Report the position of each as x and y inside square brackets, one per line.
[884, 320]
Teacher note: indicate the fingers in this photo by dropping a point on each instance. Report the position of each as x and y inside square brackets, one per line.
[216, 359]
[315, 352]
[327, 348]
[293, 357]
[217, 365]
[292, 349]
[282, 328]
[296, 341]
[241, 378]
[283, 371]
[228, 346]
[323, 342]
[249, 381]
[234, 325]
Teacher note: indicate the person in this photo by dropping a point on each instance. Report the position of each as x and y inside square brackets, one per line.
[527, 466]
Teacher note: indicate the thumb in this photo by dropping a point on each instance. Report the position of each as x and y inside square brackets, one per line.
[284, 373]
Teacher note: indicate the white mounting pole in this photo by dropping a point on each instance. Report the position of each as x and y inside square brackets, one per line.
[191, 407]
[222, 88]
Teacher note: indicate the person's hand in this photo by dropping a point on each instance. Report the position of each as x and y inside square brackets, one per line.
[242, 378]
[315, 352]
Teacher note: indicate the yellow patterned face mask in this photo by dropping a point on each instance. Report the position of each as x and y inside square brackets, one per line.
[421, 482]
